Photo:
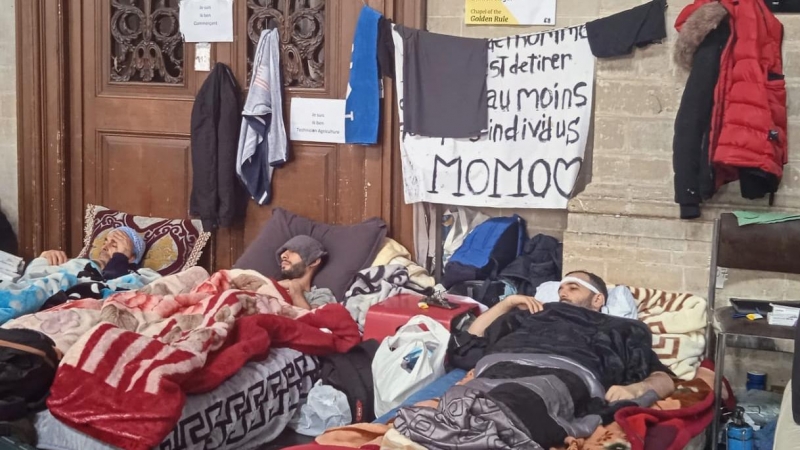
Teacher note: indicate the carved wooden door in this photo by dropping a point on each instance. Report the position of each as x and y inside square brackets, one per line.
[133, 84]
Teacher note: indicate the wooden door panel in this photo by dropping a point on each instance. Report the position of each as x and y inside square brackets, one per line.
[89, 97]
[138, 92]
[297, 191]
[151, 115]
[159, 190]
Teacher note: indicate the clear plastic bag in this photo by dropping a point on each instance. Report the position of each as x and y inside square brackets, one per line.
[324, 408]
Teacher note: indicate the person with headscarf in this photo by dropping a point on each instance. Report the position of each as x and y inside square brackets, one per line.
[53, 278]
[121, 253]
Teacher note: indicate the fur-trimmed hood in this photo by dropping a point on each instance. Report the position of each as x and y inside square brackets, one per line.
[694, 29]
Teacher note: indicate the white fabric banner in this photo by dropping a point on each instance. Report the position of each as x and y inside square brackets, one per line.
[540, 90]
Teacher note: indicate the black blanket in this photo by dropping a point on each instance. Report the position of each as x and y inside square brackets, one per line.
[617, 351]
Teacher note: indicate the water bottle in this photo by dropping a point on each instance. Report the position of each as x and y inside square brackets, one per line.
[740, 434]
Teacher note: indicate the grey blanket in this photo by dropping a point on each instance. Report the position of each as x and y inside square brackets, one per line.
[515, 401]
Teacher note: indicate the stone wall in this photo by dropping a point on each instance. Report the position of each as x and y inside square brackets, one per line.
[8, 113]
[624, 225]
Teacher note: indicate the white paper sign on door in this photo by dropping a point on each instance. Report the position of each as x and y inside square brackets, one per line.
[206, 20]
[317, 120]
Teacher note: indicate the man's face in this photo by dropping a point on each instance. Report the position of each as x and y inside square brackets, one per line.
[292, 266]
[578, 295]
[115, 242]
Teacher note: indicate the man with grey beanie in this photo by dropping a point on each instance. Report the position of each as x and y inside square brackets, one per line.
[300, 259]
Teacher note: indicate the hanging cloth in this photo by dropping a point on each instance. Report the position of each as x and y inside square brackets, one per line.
[214, 124]
[385, 48]
[444, 84]
[362, 110]
[616, 35]
[262, 141]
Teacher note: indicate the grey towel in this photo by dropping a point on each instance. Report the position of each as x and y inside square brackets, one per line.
[444, 84]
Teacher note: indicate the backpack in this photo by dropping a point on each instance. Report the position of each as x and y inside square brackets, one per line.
[539, 262]
[28, 362]
[351, 373]
[486, 251]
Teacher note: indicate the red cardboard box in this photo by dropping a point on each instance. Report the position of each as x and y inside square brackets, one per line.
[383, 319]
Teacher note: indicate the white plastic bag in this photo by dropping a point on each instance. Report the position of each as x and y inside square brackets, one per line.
[396, 379]
[325, 408]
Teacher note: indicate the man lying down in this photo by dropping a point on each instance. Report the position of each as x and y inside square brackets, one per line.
[54, 278]
[542, 373]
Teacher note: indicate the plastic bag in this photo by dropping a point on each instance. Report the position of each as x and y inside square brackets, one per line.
[407, 361]
[325, 408]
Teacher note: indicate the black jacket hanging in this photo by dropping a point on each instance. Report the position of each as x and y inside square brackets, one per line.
[694, 181]
[217, 196]
[8, 240]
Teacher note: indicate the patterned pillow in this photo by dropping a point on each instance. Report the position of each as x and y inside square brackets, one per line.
[170, 245]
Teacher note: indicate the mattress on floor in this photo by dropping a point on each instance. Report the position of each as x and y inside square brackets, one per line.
[250, 408]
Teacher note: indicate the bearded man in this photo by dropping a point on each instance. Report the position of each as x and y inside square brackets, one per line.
[301, 257]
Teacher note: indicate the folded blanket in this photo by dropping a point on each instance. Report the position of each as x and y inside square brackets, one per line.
[375, 285]
[670, 426]
[124, 381]
[41, 281]
[678, 324]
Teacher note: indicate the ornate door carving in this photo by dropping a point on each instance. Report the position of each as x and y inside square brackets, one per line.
[130, 92]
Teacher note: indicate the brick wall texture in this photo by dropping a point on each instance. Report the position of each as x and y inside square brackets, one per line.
[624, 225]
[8, 113]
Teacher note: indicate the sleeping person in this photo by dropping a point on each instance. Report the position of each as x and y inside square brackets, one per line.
[543, 373]
[52, 274]
[300, 259]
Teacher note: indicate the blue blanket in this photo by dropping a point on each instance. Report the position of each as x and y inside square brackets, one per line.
[41, 280]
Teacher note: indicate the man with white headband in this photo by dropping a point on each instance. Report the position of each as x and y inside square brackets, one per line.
[522, 339]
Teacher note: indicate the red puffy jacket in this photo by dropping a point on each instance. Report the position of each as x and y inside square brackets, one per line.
[748, 127]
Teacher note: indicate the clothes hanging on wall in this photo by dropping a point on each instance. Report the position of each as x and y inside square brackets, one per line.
[216, 195]
[362, 110]
[694, 181]
[444, 88]
[618, 34]
[747, 138]
[263, 143]
[385, 48]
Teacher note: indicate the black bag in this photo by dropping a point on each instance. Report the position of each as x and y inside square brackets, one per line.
[487, 292]
[28, 362]
[8, 240]
[540, 261]
[351, 373]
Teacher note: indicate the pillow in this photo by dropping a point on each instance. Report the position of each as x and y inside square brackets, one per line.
[171, 246]
[620, 300]
[350, 248]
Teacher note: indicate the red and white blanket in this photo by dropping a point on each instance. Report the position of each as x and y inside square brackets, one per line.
[124, 381]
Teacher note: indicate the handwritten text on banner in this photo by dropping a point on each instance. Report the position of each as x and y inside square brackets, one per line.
[540, 106]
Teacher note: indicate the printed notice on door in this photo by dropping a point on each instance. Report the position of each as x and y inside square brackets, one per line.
[206, 20]
[511, 12]
[317, 120]
[540, 110]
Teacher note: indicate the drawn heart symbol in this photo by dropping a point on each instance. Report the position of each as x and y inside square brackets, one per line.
[565, 169]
